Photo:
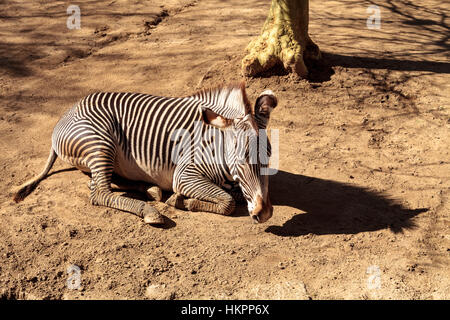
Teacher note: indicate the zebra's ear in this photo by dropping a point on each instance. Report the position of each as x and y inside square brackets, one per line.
[212, 118]
[264, 105]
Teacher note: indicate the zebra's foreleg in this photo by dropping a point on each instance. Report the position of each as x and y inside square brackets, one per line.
[223, 206]
[202, 195]
[102, 195]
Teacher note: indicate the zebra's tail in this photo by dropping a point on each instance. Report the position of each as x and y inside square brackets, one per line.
[25, 189]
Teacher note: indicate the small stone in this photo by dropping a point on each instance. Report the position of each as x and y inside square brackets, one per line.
[159, 292]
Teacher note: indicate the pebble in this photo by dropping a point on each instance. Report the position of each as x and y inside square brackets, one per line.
[159, 292]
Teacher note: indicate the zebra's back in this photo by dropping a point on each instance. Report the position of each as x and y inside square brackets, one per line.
[133, 130]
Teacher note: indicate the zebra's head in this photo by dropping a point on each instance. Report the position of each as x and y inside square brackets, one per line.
[253, 151]
[246, 146]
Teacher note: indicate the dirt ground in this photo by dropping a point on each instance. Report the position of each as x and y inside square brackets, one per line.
[361, 199]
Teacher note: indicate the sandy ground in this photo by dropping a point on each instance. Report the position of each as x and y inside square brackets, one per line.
[362, 194]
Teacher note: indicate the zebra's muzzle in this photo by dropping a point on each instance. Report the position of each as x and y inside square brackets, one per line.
[255, 219]
[262, 212]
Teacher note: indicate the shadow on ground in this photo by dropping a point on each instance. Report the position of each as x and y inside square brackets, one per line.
[322, 70]
[386, 63]
[332, 207]
[329, 207]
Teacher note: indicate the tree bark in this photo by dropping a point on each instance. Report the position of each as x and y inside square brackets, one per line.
[284, 40]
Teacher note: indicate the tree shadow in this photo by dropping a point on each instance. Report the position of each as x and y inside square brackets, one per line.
[322, 70]
[415, 36]
[331, 207]
[319, 70]
[13, 66]
[386, 63]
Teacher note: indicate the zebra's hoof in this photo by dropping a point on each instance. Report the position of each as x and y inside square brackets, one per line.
[154, 193]
[176, 200]
[151, 215]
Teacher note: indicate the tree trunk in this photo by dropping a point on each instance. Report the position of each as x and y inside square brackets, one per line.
[284, 40]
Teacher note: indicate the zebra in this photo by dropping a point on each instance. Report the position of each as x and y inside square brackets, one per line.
[138, 137]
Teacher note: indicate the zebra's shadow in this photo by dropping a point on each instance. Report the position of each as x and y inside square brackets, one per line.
[168, 223]
[331, 207]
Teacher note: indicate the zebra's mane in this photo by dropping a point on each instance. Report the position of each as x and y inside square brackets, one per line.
[229, 101]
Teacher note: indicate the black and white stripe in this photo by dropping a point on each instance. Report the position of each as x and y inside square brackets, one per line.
[136, 135]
